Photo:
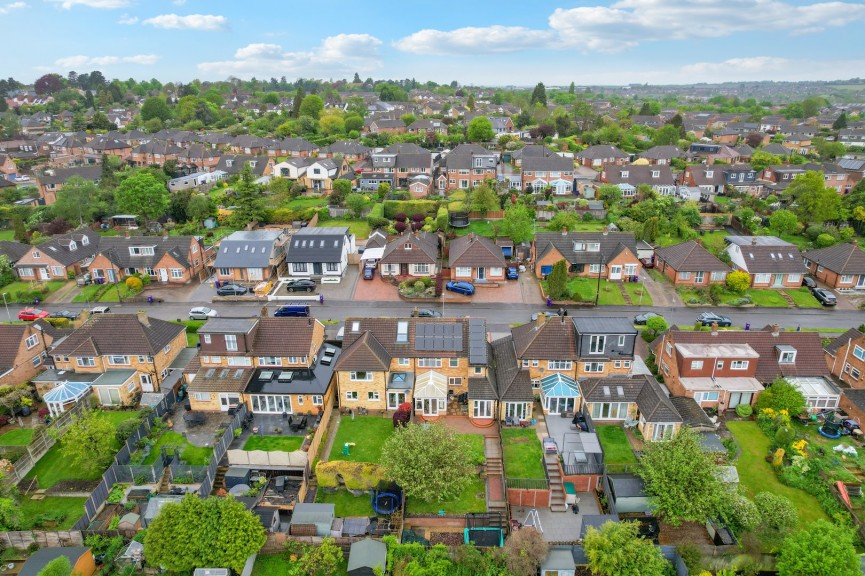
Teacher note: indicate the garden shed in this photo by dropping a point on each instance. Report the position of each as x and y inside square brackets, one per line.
[154, 506]
[312, 519]
[626, 494]
[365, 555]
[559, 562]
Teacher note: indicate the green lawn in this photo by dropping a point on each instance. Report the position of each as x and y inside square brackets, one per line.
[52, 467]
[89, 293]
[368, 434]
[111, 295]
[472, 499]
[803, 298]
[17, 437]
[7, 234]
[765, 297]
[192, 327]
[270, 564]
[801, 242]
[639, 295]
[191, 455]
[617, 450]
[585, 289]
[274, 443]
[305, 202]
[346, 503]
[712, 241]
[756, 475]
[479, 227]
[19, 286]
[70, 506]
[360, 228]
[476, 443]
[523, 454]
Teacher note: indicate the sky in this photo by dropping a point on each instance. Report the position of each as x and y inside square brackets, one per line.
[480, 42]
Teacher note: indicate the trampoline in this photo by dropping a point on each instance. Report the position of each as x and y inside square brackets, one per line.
[830, 430]
[485, 530]
[386, 498]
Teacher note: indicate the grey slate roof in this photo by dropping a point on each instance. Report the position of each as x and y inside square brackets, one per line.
[553, 162]
[613, 388]
[603, 325]
[60, 247]
[14, 250]
[655, 405]
[600, 151]
[317, 244]
[61, 175]
[246, 249]
[116, 249]
[841, 258]
[662, 152]
[691, 413]
[637, 174]
[611, 245]
[42, 557]
[511, 382]
[778, 259]
[691, 257]
[122, 334]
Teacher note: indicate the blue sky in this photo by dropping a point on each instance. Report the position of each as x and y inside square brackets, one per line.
[505, 42]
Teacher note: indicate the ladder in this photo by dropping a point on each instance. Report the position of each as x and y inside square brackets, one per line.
[533, 520]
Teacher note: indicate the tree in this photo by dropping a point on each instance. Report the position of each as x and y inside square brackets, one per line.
[199, 208]
[483, 199]
[430, 462]
[539, 95]
[651, 229]
[572, 88]
[781, 395]
[198, 532]
[248, 201]
[60, 566]
[321, 560]
[783, 222]
[777, 511]
[480, 130]
[48, 84]
[654, 325]
[822, 548]
[667, 135]
[762, 159]
[76, 200]
[816, 203]
[738, 281]
[557, 281]
[518, 223]
[618, 550]
[331, 124]
[88, 442]
[312, 106]
[144, 195]
[341, 189]
[840, 122]
[524, 550]
[356, 203]
[610, 195]
[408, 119]
[155, 107]
[681, 479]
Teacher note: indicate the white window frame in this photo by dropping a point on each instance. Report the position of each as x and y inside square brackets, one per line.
[706, 396]
[696, 364]
[403, 362]
[231, 343]
[360, 376]
[240, 361]
[559, 364]
[429, 362]
[593, 367]
[317, 400]
[453, 362]
[373, 396]
[858, 352]
[31, 341]
[118, 360]
[206, 338]
[739, 365]
[482, 409]
[787, 357]
[351, 395]
[86, 361]
[597, 343]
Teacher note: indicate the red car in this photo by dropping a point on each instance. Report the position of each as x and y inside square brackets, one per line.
[32, 314]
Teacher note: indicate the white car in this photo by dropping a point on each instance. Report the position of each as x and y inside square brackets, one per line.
[202, 313]
[100, 310]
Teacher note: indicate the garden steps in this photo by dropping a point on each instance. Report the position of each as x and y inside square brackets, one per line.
[219, 479]
[557, 485]
[625, 294]
[790, 302]
[495, 472]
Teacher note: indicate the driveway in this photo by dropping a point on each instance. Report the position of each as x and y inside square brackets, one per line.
[663, 294]
[531, 289]
[344, 289]
[507, 292]
[374, 290]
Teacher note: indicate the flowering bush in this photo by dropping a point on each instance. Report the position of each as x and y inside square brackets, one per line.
[799, 447]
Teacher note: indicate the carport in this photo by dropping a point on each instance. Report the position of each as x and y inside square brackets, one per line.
[371, 256]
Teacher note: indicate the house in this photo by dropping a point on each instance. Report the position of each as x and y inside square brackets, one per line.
[398, 163]
[852, 402]
[323, 172]
[23, 350]
[604, 346]
[13, 250]
[770, 261]
[661, 155]
[690, 264]
[412, 254]
[319, 251]
[709, 153]
[58, 257]
[166, 259]
[365, 556]
[51, 181]
[709, 179]
[546, 346]
[388, 126]
[612, 255]
[349, 149]
[529, 151]
[429, 362]
[508, 391]
[292, 168]
[852, 137]
[742, 177]
[627, 178]
[600, 155]
[841, 266]
[725, 368]
[845, 358]
[423, 127]
[196, 180]
[293, 147]
[233, 164]
[542, 172]
[777, 178]
[476, 258]
[250, 255]
[467, 166]
[8, 168]
[638, 398]
[80, 557]
[273, 365]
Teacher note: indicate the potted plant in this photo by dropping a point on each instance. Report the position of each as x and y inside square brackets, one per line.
[26, 403]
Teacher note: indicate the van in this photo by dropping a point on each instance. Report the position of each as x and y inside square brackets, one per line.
[292, 311]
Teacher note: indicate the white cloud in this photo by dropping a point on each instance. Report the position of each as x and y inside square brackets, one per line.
[128, 20]
[627, 23]
[179, 2]
[100, 4]
[80, 60]
[188, 22]
[337, 55]
[7, 8]
[767, 68]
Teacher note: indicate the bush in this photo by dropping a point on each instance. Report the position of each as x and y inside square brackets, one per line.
[824, 240]
[784, 435]
[738, 281]
[744, 410]
[355, 475]
[776, 511]
[691, 557]
[126, 429]
[403, 207]
[782, 396]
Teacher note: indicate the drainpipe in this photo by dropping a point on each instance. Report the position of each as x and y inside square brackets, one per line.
[846, 355]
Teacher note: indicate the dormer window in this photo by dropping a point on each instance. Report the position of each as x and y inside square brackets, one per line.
[624, 173]
[594, 247]
[579, 246]
[228, 163]
[656, 173]
[710, 173]
[141, 250]
[787, 357]
[85, 241]
[407, 246]
[73, 246]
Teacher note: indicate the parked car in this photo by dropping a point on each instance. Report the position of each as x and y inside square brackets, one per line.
[84, 279]
[709, 318]
[426, 313]
[231, 290]
[512, 273]
[641, 319]
[368, 273]
[547, 313]
[68, 314]
[825, 297]
[100, 310]
[202, 313]
[301, 311]
[302, 285]
[809, 282]
[466, 288]
[32, 314]
[648, 262]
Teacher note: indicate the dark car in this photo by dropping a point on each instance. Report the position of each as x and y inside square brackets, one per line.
[825, 297]
[426, 313]
[809, 282]
[301, 311]
[461, 287]
[231, 290]
[302, 285]
[511, 273]
[641, 319]
[709, 318]
[648, 262]
[68, 314]
[368, 273]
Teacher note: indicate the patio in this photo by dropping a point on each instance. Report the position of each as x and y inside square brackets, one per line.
[562, 526]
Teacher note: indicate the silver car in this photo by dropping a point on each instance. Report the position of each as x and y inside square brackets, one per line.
[202, 313]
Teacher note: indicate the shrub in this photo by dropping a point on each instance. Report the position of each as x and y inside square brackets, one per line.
[824, 240]
[744, 410]
[691, 557]
[355, 475]
[738, 281]
[782, 396]
[126, 429]
[784, 435]
[777, 511]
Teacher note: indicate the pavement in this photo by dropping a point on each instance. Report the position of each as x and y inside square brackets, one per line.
[662, 294]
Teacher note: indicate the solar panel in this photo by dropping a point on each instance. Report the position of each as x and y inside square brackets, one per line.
[477, 342]
[285, 376]
[439, 336]
[266, 375]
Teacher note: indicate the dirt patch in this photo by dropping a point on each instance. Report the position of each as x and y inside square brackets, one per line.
[446, 538]
[686, 533]
[73, 486]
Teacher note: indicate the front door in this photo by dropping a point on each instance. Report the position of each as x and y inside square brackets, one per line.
[110, 274]
[43, 274]
[615, 272]
[394, 399]
[403, 269]
[316, 268]
[779, 280]
[163, 275]
[482, 273]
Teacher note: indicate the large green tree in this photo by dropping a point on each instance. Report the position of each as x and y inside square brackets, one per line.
[762, 159]
[249, 206]
[781, 395]
[822, 548]
[88, 442]
[518, 223]
[524, 550]
[203, 532]
[618, 550]
[557, 281]
[144, 195]
[76, 201]
[783, 222]
[312, 106]
[483, 199]
[539, 95]
[200, 207]
[681, 479]
[430, 462]
[815, 202]
[480, 130]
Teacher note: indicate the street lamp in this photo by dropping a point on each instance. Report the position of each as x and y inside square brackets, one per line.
[9, 316]
[600, 269]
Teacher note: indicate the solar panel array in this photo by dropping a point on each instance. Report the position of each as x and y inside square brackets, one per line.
[439, 336]
[477, 341]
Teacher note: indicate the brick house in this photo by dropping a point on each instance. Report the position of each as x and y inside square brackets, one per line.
[429, 362]
[154, 152]
[23, 350]
[661, 155]
[553, 171]
[8, 168]
[273, 365]
[604, 346]
[166, 259]
[600, 155]
[348, 149]
[476, 258]
[770, 261]
[690, 264]
[613, 255]
[841, 266]
[638, 398]
[57, 257]
[627, 178]
[412, 254]
[845, 358]
[467, 166]
[250, 255]
[51, 181]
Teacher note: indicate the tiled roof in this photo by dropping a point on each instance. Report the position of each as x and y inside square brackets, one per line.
[841, 258]
[690, 411]
[611, 245]
[554, 339]
[119, 334]
[473, 250]
[116, 249]
[283, 336]
[511, 382]
[365, 353]
[11, 336]
[836, 343]
[601, 151]
[14, 250]
[655, 405]
[60, 247]
[613, 388]
[690, 257]
[424, 249]
[384, 330]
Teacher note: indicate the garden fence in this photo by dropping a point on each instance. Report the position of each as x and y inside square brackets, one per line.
[527, 483]
[220, 449]
[186, 474]
[321, 432]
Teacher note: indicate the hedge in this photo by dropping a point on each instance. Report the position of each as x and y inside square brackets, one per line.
[355, 475]
[442, 218]
[377, 211]
[409, 207]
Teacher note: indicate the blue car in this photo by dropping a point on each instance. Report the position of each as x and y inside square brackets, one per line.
[368, 273]
[461, 287]
[511, 273]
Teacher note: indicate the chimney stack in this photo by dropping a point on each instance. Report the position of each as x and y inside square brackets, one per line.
[753, 240]
[699, 241]
[564, 230]
[776, 330]
[855, 242]
[542, 317]
[126, 234]
[143, 318]
[714, 328]
[606, 230]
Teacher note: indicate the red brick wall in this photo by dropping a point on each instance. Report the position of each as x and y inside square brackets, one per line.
[532, 498]
[584, 482]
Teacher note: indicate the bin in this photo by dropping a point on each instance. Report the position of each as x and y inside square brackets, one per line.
[570, 493]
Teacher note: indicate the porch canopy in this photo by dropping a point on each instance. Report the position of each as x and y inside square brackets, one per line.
[431, 385]
[65, 393]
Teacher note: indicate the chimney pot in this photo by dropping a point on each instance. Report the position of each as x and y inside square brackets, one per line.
[714, 328]
[143, 318]
[564, 230]
[753, 240]
[699, 241]
[776, 330]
